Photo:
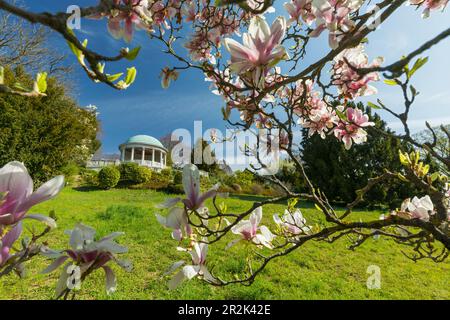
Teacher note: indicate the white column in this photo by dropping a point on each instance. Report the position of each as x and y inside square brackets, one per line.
[153, 157]
[122, 154]
[143, 155]
[132, 154]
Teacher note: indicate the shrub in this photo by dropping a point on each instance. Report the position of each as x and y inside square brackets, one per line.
[160, 180]
[128, 171]
[143, 175]
[89, 177]
[132, 173]
[236, 187]
[108, 177]
[177, 177]
[175, 188]
[256, 189]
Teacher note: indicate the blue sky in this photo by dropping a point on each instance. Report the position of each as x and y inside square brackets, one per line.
[146, 108]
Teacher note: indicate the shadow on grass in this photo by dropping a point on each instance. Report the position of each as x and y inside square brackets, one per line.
[87, 188]
[257, 198]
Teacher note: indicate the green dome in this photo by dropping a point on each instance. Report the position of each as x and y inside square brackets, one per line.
[144, 139]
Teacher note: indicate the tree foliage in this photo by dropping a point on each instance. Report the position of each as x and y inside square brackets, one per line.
[46, 133]
[339, 173]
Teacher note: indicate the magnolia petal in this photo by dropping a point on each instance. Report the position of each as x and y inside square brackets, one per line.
[15, 180]
[55, 264]
[8, 239]
[51, 223]
[190, 271]
[176, 280]
[46, 192]
[169, 203]
[61, 285]
[127, 265]
[111, 280]
[207, 275]
[174, 267]
[6, 219]
[191, 183]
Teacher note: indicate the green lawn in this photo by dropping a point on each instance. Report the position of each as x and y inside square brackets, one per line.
[315, 271]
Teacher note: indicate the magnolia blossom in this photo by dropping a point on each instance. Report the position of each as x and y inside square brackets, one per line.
[167, 75]
[16, 187]
[248, 230]
[178, 221]
[121, 23]
[7, 241]
[189, 11]
[87, 254]
[196, 269]
[334, 15]
[199, 47]
[350, 83]
[319, 120]
[191, 185]
[260, 51]
[293, 223]
[351, 130]
[300, 9]
[430, 5]
[417, 208]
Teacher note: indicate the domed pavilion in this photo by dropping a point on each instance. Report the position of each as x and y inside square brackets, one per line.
[145, 151]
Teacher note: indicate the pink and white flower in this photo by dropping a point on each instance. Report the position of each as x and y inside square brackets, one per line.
[429, 5]
[334, 15]
[350, 83]
[87, 253]
[7, 241]
[122, 23]
[16, 186]
[300, 9]
[292, 223]
[248, 230]
[417, 208]
[261, 50]
[177, 220]
[196, 269]
[351, 130]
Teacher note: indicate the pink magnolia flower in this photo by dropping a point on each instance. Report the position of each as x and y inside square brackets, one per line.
[300, 9]
[199, 47]
[121, 23]
[351, 130]
[178, 221]
[248, 230]
[319, 119]
[334, 15]
[350, 83]
[196, 269]
[417, 208]
[87, 253]
[16, 186]
[6, 242]
[191, 185]
[260, 51]
[429, 5]
[167, 75]
[292, 223]
[189, 11]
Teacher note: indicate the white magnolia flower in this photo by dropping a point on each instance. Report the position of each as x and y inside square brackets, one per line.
[293, 223]
[196, 269]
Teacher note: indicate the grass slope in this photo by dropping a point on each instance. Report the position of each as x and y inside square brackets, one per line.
[315, 271]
